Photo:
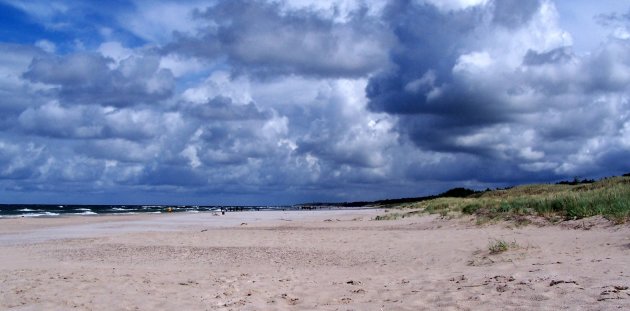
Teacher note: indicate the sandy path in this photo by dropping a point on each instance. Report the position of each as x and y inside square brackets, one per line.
[330, 260]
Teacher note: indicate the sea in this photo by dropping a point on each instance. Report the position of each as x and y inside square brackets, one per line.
[52, 210]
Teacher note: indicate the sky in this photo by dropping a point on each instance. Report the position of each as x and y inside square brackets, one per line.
[270, 102]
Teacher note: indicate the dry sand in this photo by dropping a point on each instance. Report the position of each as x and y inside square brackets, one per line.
[324, 260]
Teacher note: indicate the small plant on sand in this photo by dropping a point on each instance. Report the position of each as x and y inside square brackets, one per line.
[500, 246]
[390, 216]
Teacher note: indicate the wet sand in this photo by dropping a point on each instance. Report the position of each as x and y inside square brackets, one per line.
[308, 260]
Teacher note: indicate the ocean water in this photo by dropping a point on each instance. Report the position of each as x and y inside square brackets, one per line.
[50, 210]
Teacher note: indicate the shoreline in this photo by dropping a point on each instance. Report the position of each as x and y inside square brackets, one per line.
[38, 229]
[86, 212]
[308, 260]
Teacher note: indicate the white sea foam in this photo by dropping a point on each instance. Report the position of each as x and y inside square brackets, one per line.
[121, 209]
[39, 214]
[88, 212]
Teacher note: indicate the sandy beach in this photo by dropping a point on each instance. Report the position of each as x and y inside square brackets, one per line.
[309, 260]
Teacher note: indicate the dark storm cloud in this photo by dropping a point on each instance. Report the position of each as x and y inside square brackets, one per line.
[615, 159]
[87, 78]
[262, 38]
[171, 175]
[440, 133]
[458, 168]
[517, 103]
[423, 81]
[430, 42]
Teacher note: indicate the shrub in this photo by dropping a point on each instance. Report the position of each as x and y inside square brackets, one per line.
[392, 216]
[471, 208]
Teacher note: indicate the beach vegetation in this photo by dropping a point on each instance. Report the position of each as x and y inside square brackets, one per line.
[389, 216]
[609, 197]
[500, 246]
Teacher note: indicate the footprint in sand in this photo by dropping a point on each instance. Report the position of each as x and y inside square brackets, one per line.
[290, 300]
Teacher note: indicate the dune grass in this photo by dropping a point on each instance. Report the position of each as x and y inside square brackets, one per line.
[609, 198]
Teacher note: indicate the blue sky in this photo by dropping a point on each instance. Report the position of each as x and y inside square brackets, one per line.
[280, 102]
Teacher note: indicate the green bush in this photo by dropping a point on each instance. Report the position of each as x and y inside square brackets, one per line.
[471, 208]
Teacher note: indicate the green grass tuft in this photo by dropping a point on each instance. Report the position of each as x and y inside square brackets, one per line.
[500, 246]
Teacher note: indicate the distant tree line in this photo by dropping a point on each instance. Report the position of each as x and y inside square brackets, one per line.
[576, 181]
[452, 193]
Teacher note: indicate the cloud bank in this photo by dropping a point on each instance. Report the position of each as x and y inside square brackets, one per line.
[277, 102]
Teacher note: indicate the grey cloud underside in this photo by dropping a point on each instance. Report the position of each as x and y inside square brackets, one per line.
[258, 38]
[15, 96]
[86, 78]
[92, 122]
[614, 18]
[222, 108]
[514, 13]
[555, 56]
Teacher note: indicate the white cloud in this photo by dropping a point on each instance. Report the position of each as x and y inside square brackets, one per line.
[219, 83]
[182, 66]
[43, 10]
[473, 63]
[449, 5]
[338, 10]
[157, 21]
[116, 51]
[46, 46]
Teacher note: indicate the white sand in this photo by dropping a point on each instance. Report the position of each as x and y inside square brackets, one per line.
[324, 260]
